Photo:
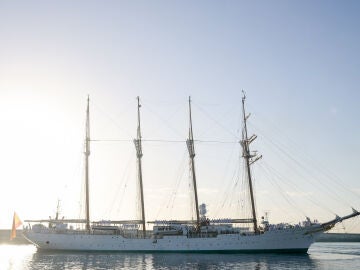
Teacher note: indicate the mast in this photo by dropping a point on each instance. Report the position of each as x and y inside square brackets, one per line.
[87, 154]
[249, 159]
[191, 149]
[139, 155]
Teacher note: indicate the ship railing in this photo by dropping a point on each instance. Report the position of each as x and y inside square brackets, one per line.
[55, 221]
[104, 222]
[135, 234]
[126, 228]
[193, 222]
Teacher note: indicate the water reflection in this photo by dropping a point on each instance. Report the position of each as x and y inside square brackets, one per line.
[85, 260]
[325, 256]
[90, 260]
[231, 261]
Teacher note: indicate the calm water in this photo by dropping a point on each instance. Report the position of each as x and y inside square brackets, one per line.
[321, 256]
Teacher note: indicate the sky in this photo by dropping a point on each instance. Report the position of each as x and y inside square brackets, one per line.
[297, 61]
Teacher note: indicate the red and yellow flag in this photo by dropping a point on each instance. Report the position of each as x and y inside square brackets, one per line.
[16, 223]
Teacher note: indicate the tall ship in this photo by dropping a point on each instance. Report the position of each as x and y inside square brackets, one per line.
[201, 234]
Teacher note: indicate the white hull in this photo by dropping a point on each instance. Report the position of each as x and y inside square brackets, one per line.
[287, 240]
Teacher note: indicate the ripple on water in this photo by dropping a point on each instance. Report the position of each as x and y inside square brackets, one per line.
[321, 256]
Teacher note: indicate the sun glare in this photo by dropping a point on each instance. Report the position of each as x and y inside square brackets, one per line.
[15, 256]
[36, 142]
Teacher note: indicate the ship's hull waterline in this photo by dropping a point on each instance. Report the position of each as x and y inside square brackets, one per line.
[289, 241]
